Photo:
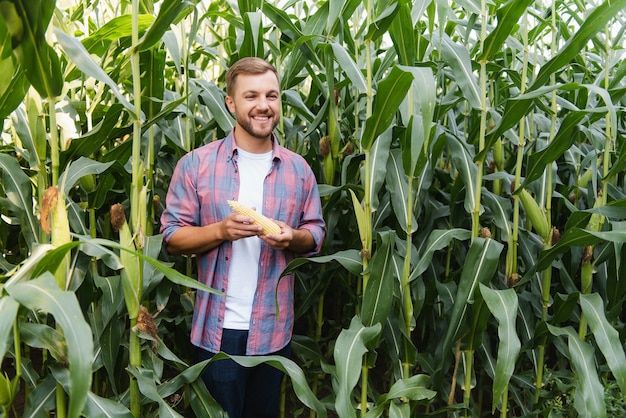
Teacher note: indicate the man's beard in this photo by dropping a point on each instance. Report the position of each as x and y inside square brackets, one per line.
[248, 126]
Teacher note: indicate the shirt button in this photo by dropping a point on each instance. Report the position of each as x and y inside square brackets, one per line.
[219, 319]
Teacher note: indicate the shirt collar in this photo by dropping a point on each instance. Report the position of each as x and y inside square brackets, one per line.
[231, 146]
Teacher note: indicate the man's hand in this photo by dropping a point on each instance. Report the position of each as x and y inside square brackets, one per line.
[279, 241]
[297, 240]
[235, 227]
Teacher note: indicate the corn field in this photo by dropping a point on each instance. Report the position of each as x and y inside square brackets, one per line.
[470, 156]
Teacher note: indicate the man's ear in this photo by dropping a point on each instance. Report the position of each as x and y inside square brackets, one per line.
[230, 104]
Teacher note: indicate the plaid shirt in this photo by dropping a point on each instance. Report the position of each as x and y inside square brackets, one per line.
[202, 182]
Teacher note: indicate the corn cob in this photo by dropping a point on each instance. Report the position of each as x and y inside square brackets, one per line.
[268, 226]
[535, 214]
[55, 221]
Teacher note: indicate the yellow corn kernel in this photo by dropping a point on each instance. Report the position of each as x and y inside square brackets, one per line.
[267, 225]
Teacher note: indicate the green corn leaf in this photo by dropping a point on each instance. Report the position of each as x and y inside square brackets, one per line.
[480, 266]
[607, 337]
[50, 257]
[594, 23]
[462, 160]
[170, 11]
[457, 57]
[402, 35]
[30, 265]
[400, 347]
[362, 220]
[202, 402]
[38, 59]
[46, 337]
[564, 139]
[13, 88]
[437, 240]
[349, 259]
[111, 338]
[334, 12]
[80, 168]
[99, 136]
[503, 306]
[389, 94]
[398, 186]
[347, 65]
[97, 406]
[501, 210]
[41, 399]
[589, 394]
[29, 127]
[578, 237]
[214, 99]
[81, 58]
[291, 369]
[153, 82]
[378, 295]
[8, 307]
[419, 8]
[252, 44]
[414, 388]
[18, 189]
[306, 348]
[282, 21]
[305, 40]
[508, 17]
[350, 347]
[381, 22]
[147, 387]
[43, 293]
[416, 144]
[294, 100]
[118, 28]
[379, 156]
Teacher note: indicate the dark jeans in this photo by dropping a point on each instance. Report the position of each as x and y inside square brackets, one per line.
[243, 392]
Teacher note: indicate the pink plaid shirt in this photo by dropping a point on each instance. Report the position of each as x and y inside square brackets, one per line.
[202, 182]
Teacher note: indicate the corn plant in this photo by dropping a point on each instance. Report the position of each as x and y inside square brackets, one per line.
[470, 159]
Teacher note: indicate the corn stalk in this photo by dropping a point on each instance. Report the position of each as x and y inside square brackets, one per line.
[134, 281]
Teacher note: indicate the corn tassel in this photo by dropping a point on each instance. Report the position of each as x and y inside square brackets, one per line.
[267, 225]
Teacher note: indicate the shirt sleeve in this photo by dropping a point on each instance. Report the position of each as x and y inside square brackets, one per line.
[311, 218]
[182, 207]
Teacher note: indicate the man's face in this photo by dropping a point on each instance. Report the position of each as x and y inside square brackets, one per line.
[255, 102]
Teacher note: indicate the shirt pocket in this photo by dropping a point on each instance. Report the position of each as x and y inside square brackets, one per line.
[291, 205]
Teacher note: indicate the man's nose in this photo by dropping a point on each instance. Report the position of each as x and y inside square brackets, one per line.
[262, 103]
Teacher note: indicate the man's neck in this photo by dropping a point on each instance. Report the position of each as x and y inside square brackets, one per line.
[252, 144]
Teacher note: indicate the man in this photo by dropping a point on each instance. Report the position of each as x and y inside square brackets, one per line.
[256, 315]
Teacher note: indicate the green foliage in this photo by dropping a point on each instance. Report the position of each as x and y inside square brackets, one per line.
[424, 122]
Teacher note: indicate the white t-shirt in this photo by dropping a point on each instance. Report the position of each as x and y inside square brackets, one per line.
[244, 264]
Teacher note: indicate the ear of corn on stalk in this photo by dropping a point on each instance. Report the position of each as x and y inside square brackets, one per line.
[131, 283]
[55, 221]
[267, 225]
[536, 216]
